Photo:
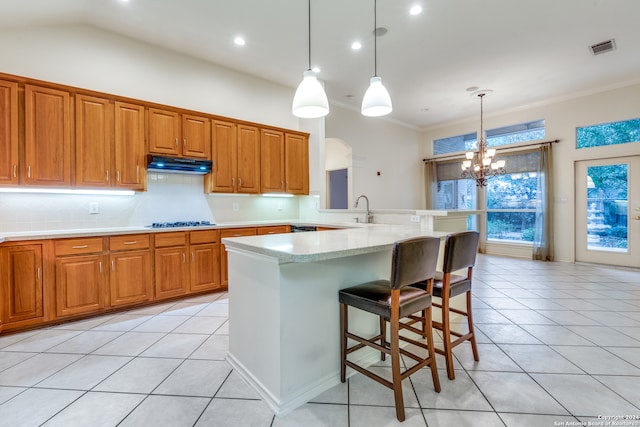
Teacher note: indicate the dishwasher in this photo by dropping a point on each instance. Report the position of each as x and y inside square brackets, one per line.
[303, 228]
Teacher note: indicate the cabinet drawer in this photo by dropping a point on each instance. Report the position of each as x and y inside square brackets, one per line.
[78, 246]
[175, 238]
[237, 232]
[276, 229]
[204, 236]
[129, 242]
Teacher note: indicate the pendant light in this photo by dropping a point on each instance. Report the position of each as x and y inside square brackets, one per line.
[376, 101]
[310, 101]
[480, 165]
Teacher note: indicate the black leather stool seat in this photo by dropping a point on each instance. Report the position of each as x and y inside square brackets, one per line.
[375, 297]
[458, 285]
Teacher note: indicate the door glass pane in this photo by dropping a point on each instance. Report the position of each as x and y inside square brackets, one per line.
[607, 207]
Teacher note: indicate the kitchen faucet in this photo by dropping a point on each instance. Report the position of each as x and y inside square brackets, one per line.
[366, 199]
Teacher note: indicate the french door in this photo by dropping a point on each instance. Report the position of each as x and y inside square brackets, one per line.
[608, 211]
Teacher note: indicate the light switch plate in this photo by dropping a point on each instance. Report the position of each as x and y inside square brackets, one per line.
[94, 208]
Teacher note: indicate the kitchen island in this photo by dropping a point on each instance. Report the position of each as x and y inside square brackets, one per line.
[284, 311]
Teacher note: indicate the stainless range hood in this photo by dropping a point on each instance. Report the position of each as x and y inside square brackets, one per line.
[178, 165]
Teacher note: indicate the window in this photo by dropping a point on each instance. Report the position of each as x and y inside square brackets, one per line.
[455, 144]
[608, 134]
[512, 200]
[516, 133]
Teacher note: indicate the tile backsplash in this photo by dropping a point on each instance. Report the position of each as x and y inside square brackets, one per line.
[169, 197]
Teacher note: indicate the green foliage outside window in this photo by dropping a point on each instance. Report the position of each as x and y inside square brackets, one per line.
[608, 134]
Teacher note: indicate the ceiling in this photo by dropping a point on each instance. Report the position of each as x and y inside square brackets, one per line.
[526, 51]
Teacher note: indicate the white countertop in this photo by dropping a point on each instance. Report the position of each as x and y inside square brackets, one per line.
[12, 236]
[323, 245]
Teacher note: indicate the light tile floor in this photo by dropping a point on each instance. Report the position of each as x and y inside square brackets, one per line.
[559, 345]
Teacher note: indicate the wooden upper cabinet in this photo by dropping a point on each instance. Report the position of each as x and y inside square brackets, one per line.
[196, 136]
[94, 141]
[248, 155]
[236, 158]
[8, 132]
[296, 149]
[129, 146]
[271, 161]
[164, 132]
[223, 176]
[47, 136]
[175, 134]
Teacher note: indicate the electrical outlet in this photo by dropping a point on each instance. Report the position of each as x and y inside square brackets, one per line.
[235, 207]
[415, 218]
[94, 208]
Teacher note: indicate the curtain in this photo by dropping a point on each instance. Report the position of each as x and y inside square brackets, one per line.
[543, 233]
[431, 183]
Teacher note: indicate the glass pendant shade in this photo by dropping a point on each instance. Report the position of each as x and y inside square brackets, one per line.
[376, 101]
[310, 101]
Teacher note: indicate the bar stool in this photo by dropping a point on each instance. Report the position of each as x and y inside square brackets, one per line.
[413, 260]
[460, 251]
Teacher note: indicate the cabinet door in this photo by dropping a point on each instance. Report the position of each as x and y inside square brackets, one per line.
[224, 157]
[130, 278]
[230, 232]
[205, 267]
[22, 289]
[248, 158]
[171, 272]
[47, 136]
[296, 161]
[271, 161]
[164, 132]
[196, 136]
[8, 132]
[129, 146]
[94, 140]
[80, 285]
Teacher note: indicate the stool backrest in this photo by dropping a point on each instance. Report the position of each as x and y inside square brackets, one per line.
[460, 251]
[414, 260]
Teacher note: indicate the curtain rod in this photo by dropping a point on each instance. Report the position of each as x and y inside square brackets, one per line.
[458, 156]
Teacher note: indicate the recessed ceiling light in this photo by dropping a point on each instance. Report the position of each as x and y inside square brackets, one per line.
[415, 10]
[472, 88]
[356, 45]
[239, 41]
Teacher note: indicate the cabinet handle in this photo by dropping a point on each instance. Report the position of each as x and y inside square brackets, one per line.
[184, 143]
[176, 142]
[137, 173]
[79, 247]
[184, 258]
[233, 186]
[38, 273]
[113, 265]
[100, 264]
[129, 243]
[239, 182]
[193, 257]
[118, 176]
[28, 171]
[107, 175]
[15, 171]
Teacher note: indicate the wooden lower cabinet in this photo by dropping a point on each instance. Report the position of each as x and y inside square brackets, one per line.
[231, 232]
[273, 229]
[205, 267]
[130, 278]
[172, 272]
[80, 285]
[22, 287]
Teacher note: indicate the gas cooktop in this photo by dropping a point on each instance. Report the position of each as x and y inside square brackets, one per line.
[180, 224]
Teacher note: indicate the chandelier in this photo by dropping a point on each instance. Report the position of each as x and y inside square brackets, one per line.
[480, 164]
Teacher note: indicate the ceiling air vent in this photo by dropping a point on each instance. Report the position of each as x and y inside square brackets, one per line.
[603, 47]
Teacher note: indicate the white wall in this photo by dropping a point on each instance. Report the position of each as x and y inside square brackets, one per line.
[562, 117]
[379, 145]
